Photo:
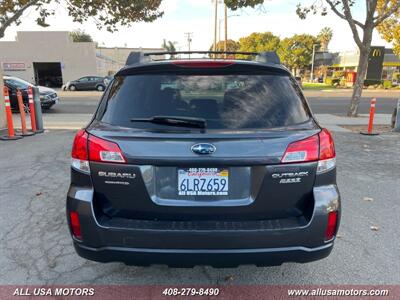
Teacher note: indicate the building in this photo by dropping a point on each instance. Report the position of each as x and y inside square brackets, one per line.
[51, 58]
[110, 60]
[47, 58]
[383, 64]
[348, 61]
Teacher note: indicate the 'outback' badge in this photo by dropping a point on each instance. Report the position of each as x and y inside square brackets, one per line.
[290, 177]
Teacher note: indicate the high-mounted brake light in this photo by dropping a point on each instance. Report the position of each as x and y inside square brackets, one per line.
[75, 224]
[319, 147]
[104, 151]
[331, 226]
[203, 64]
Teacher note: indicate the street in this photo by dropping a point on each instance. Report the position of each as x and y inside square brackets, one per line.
[36, 247]
[329, 102]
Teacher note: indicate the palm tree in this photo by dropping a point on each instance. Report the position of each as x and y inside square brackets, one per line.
[324, 37]
[169, 46]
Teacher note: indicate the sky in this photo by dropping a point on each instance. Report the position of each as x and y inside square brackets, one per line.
[197, 17]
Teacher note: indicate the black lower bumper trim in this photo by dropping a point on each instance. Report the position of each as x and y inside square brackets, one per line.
[216, 258]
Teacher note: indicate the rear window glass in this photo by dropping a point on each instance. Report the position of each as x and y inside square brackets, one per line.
[225, 101]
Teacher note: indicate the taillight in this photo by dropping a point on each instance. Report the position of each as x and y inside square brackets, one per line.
[327, 154]
[75, 224]
[331, 226]
[79, 152]
[319, 147]
[104, 151]
[302, 151]
[90, 148]
[326, 145]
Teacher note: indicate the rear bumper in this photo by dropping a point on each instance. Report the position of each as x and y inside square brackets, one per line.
[187, 244]
[192, 257]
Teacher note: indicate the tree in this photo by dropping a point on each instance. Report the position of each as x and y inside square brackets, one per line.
[79, 36]
[236, 4]
[324, 37]
[390, 28]
[258, 42]
[108, 14]
[374, 18]
[296, 52]
[169, 46]
[231, 46]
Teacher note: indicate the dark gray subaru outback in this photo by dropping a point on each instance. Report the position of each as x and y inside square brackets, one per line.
[203, 161]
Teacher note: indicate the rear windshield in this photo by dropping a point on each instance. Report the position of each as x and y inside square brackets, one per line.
[225, 101]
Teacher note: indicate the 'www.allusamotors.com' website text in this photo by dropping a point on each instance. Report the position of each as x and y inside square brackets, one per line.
[338, 292]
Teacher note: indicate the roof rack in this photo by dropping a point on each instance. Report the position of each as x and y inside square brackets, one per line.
[136, 57]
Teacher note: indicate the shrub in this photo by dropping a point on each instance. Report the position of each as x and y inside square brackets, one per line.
[328, 81]
[387, 84]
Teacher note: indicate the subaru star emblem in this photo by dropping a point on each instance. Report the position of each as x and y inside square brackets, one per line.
[203, 148]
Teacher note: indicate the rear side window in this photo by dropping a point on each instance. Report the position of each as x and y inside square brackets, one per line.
[225, 101]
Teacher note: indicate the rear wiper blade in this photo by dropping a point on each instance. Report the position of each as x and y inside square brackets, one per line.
[174, 121]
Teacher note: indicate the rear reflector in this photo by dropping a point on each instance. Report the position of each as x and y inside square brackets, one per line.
[203, 64]
[104, 151]
[75, 224]
[331, 226]
[302, 151]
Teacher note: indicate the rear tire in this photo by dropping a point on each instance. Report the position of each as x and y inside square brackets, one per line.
[72, 88]
[100, 88]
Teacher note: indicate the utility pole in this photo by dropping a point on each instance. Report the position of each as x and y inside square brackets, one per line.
[219, 29]
[312, 63]
[226, 30]
[188, 36]
[215, 25]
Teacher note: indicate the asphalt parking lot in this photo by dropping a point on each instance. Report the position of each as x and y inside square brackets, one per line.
[36, 247]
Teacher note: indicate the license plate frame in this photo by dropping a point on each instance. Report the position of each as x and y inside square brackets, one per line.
[209, 182]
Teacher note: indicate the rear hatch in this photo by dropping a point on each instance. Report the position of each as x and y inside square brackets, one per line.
[202, 144]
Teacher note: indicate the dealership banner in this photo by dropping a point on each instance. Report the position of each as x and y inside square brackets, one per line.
[120, 292]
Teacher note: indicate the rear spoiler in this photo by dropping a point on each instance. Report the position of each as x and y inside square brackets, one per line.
[136, 57]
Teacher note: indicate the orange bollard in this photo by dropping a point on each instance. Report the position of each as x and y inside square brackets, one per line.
[24, 131]
[371, 115]
[10, 125]
[371, 118]
[32, 109]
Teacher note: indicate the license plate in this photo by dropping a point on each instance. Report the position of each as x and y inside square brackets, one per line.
[203, 182]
